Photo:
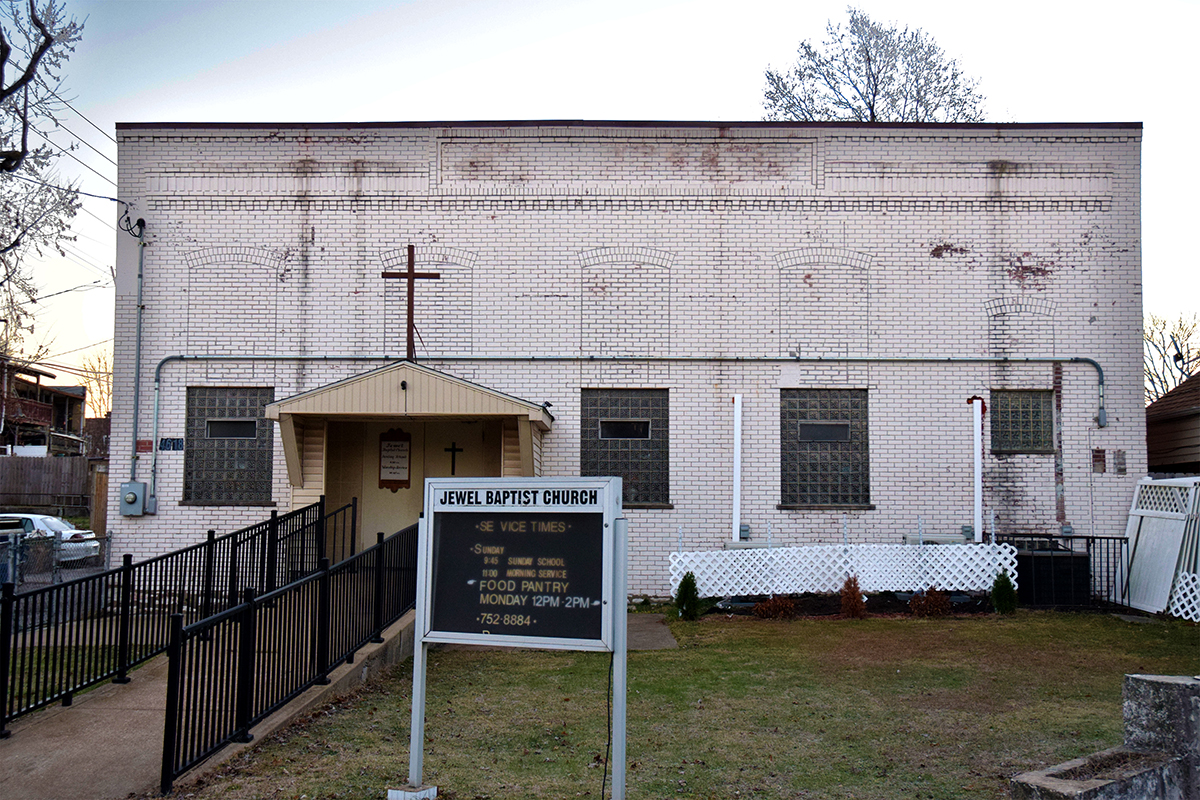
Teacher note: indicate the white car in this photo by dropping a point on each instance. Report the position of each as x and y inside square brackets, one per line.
[76, 544]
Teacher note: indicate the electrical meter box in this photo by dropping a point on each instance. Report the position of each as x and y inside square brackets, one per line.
[133, 499]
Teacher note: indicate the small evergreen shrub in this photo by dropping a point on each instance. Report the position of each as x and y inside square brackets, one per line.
[1004, 594]
[687, 598]
[778, 607]
[854, 606]
[930, 603]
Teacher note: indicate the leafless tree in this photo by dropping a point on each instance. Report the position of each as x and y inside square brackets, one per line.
[1171, 352]
[869, 72]
[96, 374]
[35, 214]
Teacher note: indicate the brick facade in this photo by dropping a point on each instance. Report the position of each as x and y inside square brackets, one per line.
[924, 264]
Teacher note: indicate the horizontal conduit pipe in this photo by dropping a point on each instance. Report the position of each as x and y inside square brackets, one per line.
[1101, 415]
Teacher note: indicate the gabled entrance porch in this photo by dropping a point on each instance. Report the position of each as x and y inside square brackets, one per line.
[378, 435]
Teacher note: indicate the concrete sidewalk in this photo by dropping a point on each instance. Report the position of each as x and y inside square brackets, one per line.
[108, 745]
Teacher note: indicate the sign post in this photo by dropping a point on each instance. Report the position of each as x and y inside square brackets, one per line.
[520, 562]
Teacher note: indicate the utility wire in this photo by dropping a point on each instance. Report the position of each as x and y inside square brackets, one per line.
[83, 142]
[81, 287]
[81, 116]
[68, 189]
[72, 156]
[77, 349]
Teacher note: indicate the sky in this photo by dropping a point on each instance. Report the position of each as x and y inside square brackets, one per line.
[421, 60]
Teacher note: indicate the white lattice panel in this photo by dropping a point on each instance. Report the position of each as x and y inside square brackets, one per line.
[1185, 599]
[1162, 497]
[824, 568]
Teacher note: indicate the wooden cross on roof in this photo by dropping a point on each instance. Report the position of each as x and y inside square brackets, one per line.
[412, 276]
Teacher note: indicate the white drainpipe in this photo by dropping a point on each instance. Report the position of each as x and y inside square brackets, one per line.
[977, 426]
[736, 534]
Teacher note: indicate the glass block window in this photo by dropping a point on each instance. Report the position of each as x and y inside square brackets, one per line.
[228, 446]
[1022, 421]
[624, 432]
[823, 441]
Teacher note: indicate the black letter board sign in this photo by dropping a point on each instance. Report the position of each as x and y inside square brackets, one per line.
[520, 562]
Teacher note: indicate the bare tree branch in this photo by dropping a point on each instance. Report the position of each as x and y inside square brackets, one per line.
[35, 215]
[870, 72]
[1170, 352]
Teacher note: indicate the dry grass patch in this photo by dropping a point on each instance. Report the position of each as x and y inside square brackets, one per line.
[871, 709]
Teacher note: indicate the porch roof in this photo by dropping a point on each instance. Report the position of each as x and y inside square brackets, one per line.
[403, 389]
[406, 389]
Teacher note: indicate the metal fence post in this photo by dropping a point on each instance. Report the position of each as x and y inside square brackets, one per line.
[272, 554]
[353, 525]
[377, 621]
[56, 558]
[247, 641]
[171, 721]
[6, 632]
[125, 620]
[233, 570]
[210, 573]
[324, 623]
[13, 558]
[319, 532]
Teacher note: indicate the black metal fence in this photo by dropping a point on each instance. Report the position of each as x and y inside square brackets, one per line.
[1070, 571]
[230, 671]
[60, 639]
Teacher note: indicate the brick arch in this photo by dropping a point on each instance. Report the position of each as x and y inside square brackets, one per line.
[645, 256]
[818, 256]
[397, 258]
[1001, 306]
[235, 254]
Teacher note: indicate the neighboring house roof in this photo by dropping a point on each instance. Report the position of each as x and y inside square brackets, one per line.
[1173, 430]
[1183, 399]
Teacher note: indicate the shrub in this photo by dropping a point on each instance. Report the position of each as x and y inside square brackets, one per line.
[778, 607]
[853, 604]
[1004, 594]
[930, 603]
[687, 598]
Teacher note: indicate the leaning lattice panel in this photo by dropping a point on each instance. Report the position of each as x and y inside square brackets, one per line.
[823, 568]
[1185, 599]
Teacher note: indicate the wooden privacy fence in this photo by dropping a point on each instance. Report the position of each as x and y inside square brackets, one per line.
[57, 484]
[824, 568]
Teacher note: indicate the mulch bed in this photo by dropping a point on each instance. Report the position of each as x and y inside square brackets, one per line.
[810, 604]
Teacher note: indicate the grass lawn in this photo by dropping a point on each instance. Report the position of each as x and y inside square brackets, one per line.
[883, 708]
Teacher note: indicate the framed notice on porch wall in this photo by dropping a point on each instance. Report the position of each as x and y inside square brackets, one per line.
[395, 458]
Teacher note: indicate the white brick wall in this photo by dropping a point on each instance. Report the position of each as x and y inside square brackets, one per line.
[688, 246]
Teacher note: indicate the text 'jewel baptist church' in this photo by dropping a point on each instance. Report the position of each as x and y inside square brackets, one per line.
[587, 298]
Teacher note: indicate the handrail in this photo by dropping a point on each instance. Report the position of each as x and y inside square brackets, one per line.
[283, 642]
[61, 639]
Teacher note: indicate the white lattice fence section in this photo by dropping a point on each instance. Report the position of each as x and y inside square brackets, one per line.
[1185, 599]
[823, 568]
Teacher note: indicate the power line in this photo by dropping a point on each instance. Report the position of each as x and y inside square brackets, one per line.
[67, 189]
[83, 286]
[82, 141]
[81, 116]
[77, 349]
[71, 155]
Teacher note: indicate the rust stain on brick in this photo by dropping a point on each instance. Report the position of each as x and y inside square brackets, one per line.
[946, 248]
[1030, 271]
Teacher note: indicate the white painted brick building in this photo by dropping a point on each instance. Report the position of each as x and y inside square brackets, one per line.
[854, 284]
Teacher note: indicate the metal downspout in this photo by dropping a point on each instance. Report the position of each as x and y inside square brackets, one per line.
[137, 352]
